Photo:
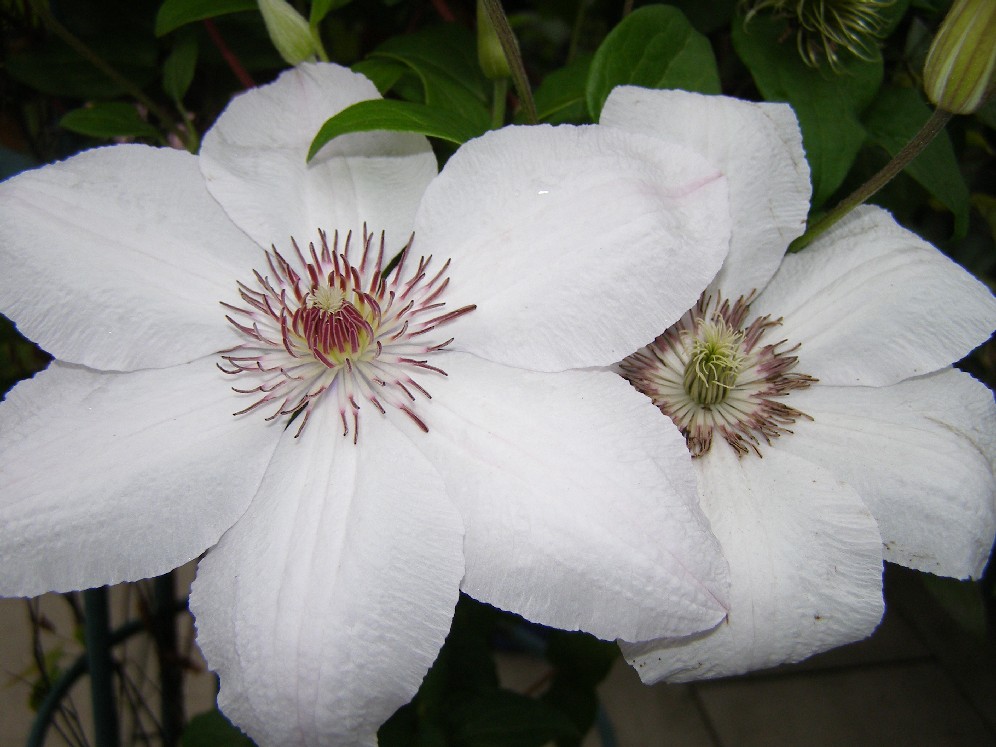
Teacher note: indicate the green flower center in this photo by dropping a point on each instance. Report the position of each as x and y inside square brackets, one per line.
[713, 373]
[714, 364]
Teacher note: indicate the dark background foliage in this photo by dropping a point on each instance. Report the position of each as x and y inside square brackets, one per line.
[78, 74]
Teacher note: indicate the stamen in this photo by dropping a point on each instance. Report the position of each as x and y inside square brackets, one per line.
[321, 327]
[711, 374]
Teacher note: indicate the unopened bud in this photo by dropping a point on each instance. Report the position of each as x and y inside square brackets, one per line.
[490, 55]
[289, 32]
[959, 69]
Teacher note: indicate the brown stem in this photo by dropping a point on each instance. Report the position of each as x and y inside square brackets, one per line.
[443, 10]
[931, 128]
[231, 59]
[514, 57]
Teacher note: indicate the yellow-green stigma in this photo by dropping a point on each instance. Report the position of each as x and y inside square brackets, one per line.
[714, 363]
[325, 298]
[712, 373]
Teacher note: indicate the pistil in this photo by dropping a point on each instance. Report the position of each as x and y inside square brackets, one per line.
[322, 328]
[714, 364]
[712, 374]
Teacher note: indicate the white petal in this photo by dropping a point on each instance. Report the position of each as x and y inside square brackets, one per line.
[254, 161]
[805, 561]
[921, 454]
[116, 477]
[323, 608]
[578, 244]
[117, 259]
[873, 304]
[759, 149]
[578, 500]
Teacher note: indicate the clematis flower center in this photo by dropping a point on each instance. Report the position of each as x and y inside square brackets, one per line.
[321, 330]
[712, 374]
[336, 328]
[714, 363]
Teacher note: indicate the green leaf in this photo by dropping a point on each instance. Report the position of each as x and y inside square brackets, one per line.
[41, 678]
[828, 105]
[581, 656]
[467, 653]
[464, 669]
[987, 113]
[401, 729]
[653, 47]
[502, 718]
[445, 60]
[178, 69]
[321, 8]
[176, 13]
[896, 116]
[400, 116]
[383, 73]
[985, 204]
[406, 728]
[580, 662]
[212, 729]
[963, 601]
[709, 16]
[576, 701]
[561, 96]
[108, 120]
[56, 69]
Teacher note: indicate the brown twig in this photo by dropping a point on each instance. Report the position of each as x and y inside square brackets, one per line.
[231, 59]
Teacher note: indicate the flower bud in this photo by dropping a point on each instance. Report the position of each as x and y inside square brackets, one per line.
[490, 55]
[959, 69]
[288, 31]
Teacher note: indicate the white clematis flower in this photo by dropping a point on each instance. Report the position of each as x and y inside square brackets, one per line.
[343, 507]
[816, 393]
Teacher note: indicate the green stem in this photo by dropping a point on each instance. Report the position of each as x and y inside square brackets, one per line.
[98, 652]
[78, 46]
[931, 128]
[514, 57]
[187, 131]
[498, 103]
[319, 47]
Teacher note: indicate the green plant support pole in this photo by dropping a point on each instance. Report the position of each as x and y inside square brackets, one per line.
[170, 674]
[49, 705]
[98, 651]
